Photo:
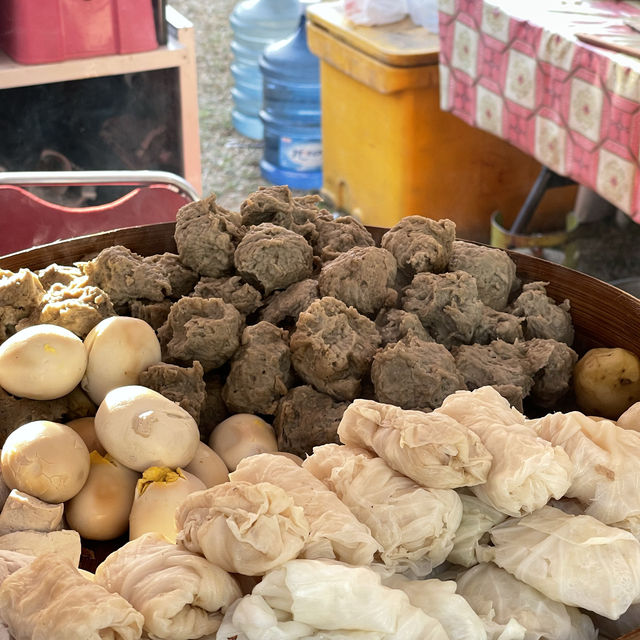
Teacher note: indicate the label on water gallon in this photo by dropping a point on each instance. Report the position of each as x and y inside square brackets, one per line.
[300, 155]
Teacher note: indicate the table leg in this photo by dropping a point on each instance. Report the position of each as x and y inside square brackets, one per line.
[546, 179]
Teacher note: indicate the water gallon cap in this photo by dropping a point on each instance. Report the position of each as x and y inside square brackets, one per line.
[266, 13]
[291, 58]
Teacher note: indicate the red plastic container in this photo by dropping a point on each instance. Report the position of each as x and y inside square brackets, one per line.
[40, 31]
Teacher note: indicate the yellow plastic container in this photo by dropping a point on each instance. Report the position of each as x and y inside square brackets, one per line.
[388, 149]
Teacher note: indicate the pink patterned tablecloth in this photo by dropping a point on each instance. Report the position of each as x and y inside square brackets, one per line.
[515, 68]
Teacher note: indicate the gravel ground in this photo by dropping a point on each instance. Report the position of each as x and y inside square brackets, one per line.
[230, 162]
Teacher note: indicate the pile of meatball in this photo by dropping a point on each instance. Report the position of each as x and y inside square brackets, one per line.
[289, 312]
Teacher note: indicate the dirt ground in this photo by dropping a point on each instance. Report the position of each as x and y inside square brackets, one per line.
[230, 162]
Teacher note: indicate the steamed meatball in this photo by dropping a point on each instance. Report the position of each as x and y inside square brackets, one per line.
[203, 329]
[337, 235]
[414, 374]
[551, 366]
[76, 308]
[497, 325]
[542, 317]
[125, 276]
[395, 324]
[333, 346]
[279, 206]
[21, 294]
[183, 385]
[181, 277]
[493, 269]
[362, 278]
[260, 371]
[206, 236]
[234, 290]
[447, 305]
[284, 307]
[271, 257]
[420, 244]
[495, 364]
[306, 418]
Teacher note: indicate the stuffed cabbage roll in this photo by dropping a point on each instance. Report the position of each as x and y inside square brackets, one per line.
[334, 531]
[438, 598]
[10, 561]
[605, 459]
[527, 471]
[576, 560]
[242, 527]
[497, 597]
[49, 599]
[415, 526]
[477, 518]
[327, 599]
[432, 449]
[180, 594]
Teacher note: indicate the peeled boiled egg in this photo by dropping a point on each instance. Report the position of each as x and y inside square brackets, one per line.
[242, 435]
[157, 496]
[208, 466]
[86, 429]
[42, 362]
[100, 510]
[118, 349]
[45, 459]
[141, 428]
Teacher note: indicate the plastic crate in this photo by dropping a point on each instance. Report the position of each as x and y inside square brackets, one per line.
[37, 31]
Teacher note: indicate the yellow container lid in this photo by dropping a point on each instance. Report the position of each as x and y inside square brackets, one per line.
[401, 44]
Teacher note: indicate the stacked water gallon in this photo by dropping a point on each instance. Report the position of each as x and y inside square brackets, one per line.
[255, 24]
[291, 112]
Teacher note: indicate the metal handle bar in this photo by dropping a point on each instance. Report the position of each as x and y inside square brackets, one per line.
[64, 178]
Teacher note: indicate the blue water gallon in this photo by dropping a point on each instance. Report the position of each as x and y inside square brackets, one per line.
[291, 113]
[255, 24]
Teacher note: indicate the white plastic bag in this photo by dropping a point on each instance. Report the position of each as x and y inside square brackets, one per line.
[424, 13]
[374, 12]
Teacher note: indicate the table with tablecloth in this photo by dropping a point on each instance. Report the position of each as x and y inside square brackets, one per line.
[519, 70]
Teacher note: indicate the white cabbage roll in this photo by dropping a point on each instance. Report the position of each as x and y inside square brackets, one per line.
[242, 527]
[415, 526]
[180, 594]
[49, 599]
[605, 460]
[576, 560]
[527, 471]
[432, 449]
[497, 597]
[438, 598]
[481, 408]
[326, 599]
[477, 518]
[334, 531]
[513, 630]
[11, 561]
